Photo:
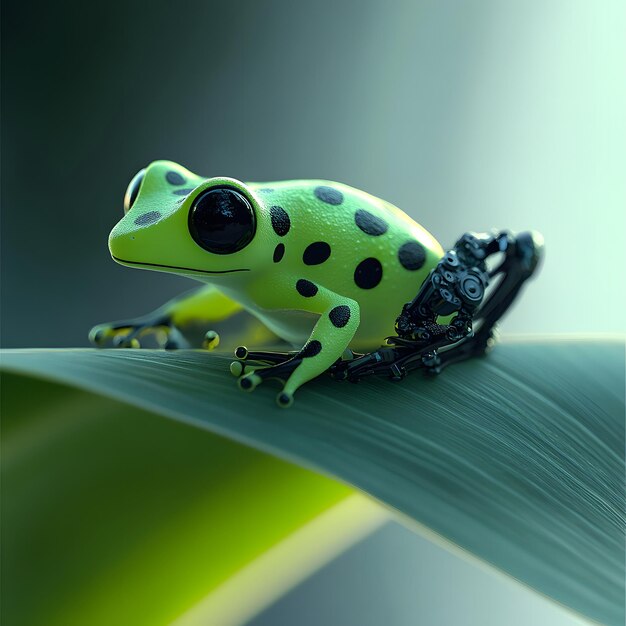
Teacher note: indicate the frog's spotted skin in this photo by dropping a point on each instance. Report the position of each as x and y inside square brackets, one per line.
[326, 266]
[279, 253]
[360, 247]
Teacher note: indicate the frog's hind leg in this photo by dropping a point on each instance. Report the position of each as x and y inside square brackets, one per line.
[456, 285]
[203, 306]
[522, 257]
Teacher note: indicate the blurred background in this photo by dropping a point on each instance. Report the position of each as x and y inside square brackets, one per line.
[467, 115]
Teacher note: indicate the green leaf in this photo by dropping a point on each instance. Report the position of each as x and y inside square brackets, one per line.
[517, 458]
[111, 515]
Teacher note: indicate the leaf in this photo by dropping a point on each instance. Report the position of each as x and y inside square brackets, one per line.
[517, 458]
[111, 516]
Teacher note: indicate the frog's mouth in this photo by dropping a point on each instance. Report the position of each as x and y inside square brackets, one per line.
[176, 267]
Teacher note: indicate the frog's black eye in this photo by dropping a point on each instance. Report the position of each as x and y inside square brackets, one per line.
[132, 191]
[221, 220]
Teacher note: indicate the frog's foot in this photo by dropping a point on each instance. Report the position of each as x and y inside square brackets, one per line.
[253, 368]
[280, 372]
[250, 361]
[129, 333]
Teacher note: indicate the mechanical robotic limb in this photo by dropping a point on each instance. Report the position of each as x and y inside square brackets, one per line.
[458, 285]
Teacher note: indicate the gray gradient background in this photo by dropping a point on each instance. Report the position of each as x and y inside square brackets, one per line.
[398, 578]
[468, 115]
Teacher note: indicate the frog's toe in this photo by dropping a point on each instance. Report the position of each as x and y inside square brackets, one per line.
[263, 356]
[100, 334]
[126, 341]
[239, 368]
[241, 353]
[211, 340]
[170, 338]
[115, 334]
[97, 336]
[127, 337]
[236, 368]
[249, 382]
[284, 399]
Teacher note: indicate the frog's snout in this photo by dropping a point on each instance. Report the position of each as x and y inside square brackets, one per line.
[121, 246]
[137, 239]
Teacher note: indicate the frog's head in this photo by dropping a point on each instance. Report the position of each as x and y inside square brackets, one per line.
[176, 221]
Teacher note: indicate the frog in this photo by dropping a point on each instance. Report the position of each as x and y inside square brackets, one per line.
[331, 270]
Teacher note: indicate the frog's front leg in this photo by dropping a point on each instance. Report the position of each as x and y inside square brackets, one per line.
[333, 331]
[205, 305]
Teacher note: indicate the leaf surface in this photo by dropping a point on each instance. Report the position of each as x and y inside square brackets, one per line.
[517, 457]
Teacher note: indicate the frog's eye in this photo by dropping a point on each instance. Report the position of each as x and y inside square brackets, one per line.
[132, 191]
[221, 220]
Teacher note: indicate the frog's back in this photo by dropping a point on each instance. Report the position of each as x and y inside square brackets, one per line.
[354, 244]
